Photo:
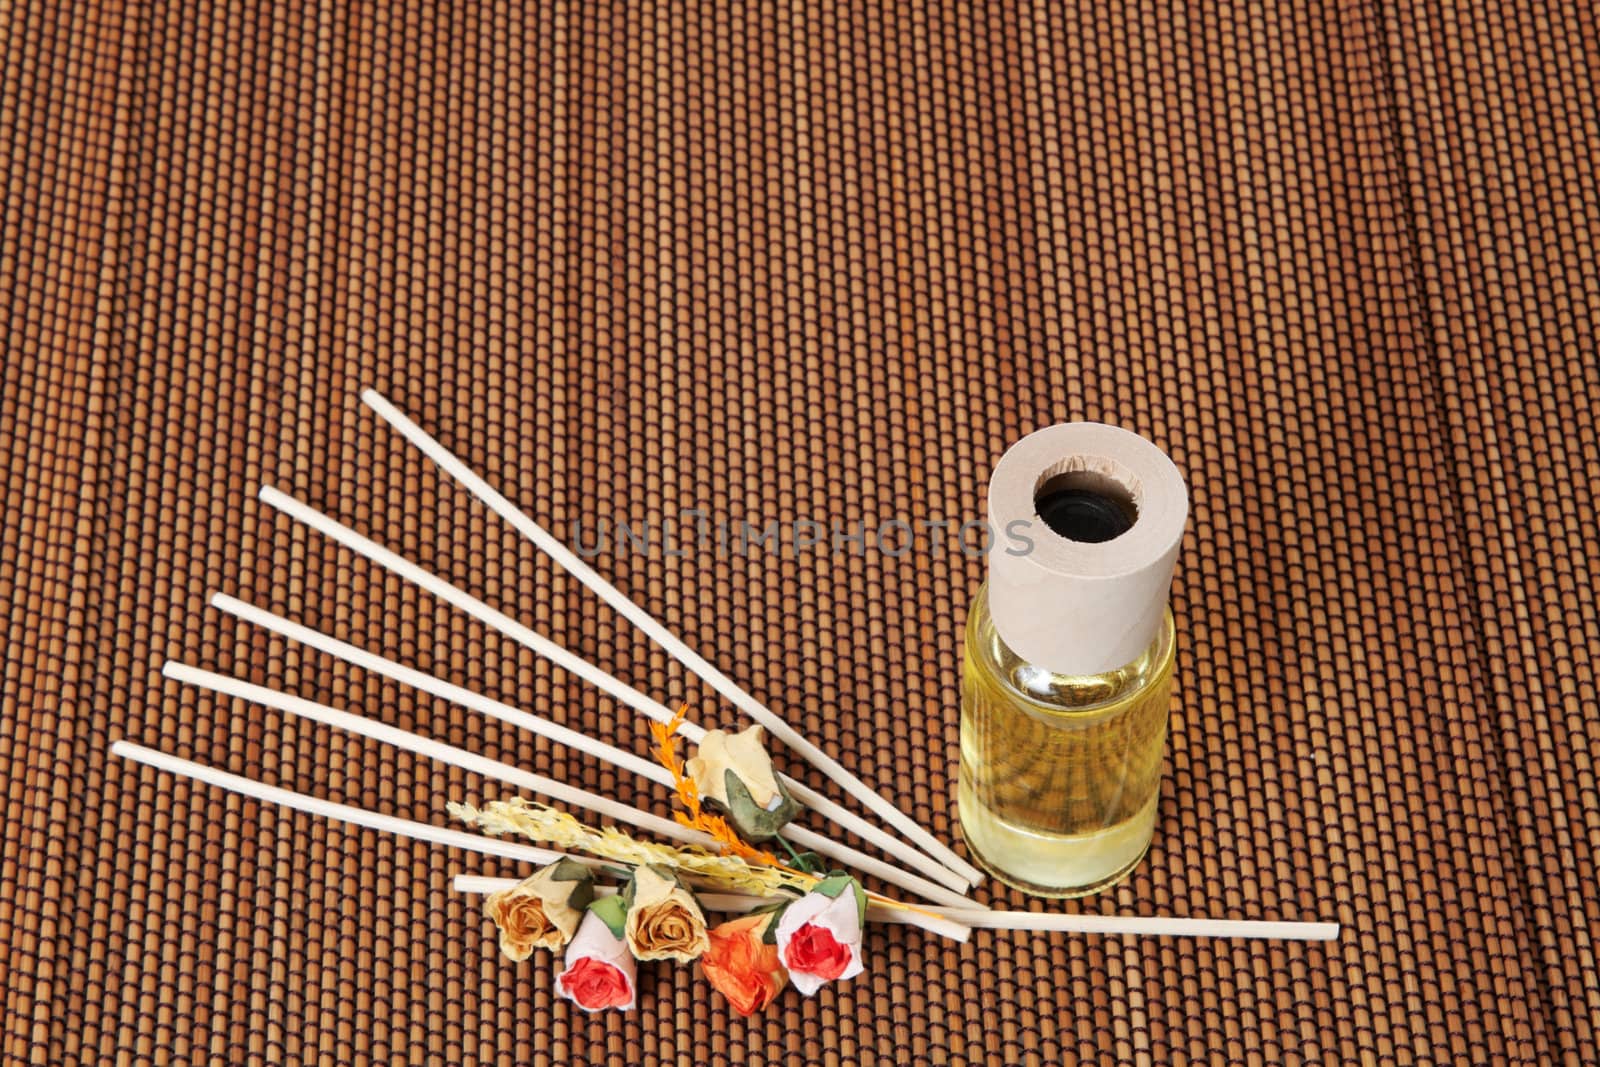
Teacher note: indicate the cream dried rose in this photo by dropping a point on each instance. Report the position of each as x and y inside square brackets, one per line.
[543, 910]
[743, 753]
[735, 771]
[664, 920]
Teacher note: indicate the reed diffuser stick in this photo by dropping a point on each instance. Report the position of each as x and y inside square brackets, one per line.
[421, 831]
[586, 574]
[1144, 926]
[652, 709]
[624, 693]
[448, 754]
[536, 783]
[492, 846]
[562, 735]
[723, 902]
[416, 679]
[1036, 922]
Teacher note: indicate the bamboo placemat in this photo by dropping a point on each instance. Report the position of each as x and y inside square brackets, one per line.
[801, 263]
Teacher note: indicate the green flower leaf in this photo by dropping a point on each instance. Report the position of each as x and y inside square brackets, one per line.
[834, 886]
[582, 895]
[582, 879]
[668, 873]
[627, 892]
[613, 912]
[569, 870]
[836, 882]
[808, 862]
[769, 934]
[754, 822]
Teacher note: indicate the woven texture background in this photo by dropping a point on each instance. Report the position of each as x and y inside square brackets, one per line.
[801, 262]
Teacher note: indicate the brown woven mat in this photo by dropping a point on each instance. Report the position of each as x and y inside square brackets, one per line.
[801, 263]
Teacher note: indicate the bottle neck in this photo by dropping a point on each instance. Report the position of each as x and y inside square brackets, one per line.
[1058, 691]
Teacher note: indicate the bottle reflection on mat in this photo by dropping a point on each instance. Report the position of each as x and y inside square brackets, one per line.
[1068, 665]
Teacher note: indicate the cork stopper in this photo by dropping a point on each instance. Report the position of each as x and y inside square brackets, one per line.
[1087, 521]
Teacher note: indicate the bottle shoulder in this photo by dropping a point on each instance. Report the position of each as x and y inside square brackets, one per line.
[988, 656]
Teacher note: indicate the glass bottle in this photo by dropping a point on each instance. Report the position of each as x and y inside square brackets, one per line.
[1069, 651]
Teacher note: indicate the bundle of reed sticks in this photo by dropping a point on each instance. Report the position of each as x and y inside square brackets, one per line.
[914, 860]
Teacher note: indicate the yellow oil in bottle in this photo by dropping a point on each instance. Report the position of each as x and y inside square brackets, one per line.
[1060, 774]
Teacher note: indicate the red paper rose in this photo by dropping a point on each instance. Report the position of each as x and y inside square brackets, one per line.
[819, 935]
[596, 985]
[814, 950]
[600, 971]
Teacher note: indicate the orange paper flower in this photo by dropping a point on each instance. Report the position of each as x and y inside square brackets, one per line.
[742, 966]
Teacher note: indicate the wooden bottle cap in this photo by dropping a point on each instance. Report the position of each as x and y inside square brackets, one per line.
[1087, 519]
